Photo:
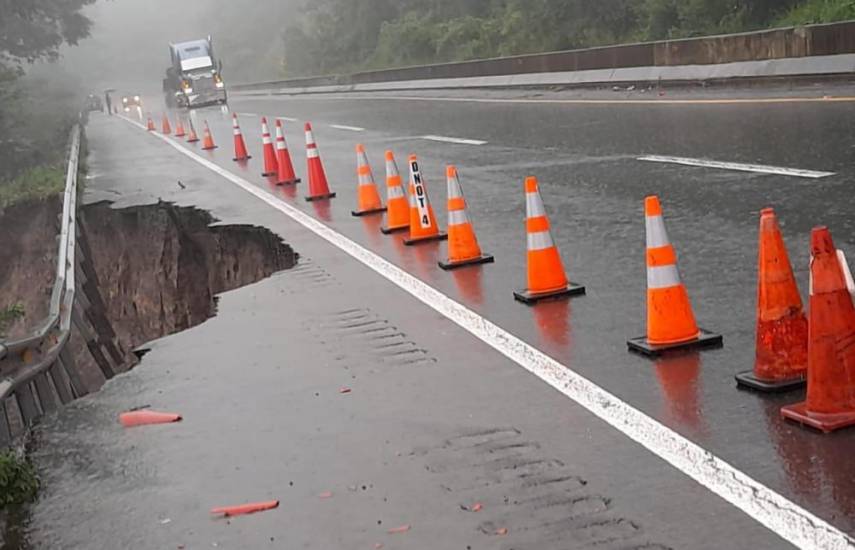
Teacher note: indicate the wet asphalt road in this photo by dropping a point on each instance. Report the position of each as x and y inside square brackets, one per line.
[584, 156]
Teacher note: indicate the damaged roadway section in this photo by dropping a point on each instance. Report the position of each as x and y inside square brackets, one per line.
[372, 420]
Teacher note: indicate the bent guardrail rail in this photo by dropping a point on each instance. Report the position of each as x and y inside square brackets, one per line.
[36, 370]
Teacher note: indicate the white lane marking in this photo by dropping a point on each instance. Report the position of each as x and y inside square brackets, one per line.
[287, 119]
[247, 114]
[445, 139]
[778, 514]
[762, 169]
[348, 128]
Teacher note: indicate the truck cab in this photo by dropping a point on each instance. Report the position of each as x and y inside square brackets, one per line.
[194, 78]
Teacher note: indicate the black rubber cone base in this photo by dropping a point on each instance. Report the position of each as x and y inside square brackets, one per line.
[210, 148]
[706, 339]
[747, 380]
[236, 159]
[390, 230]
[531, 298]
[824, 422]
[289, 182]
[438, 237]
[483, 259]
[193, 140]
[320, 197]
[368, 212]
[267, 174]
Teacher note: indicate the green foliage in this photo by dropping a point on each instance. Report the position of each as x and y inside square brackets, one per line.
[9, 315]
[35, 183]
[18, 481]
[347, 35]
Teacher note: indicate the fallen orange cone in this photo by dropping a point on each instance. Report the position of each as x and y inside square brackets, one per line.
[423, 225]
[546, 278]
[830, 403]
[368, 198]
[145, 417]
[463, 247]
[782, 328]
[397, 208]
[243, 509]
[207, 139]
[670, 321]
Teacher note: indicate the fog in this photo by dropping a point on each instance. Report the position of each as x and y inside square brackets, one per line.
[129, 38]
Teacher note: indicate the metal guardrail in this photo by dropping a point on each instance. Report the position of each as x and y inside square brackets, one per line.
[33, 372]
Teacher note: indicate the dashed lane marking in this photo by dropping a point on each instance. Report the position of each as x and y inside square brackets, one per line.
[780, 515]
[247, 114]
[759, 168]
[288, 119]
[462, 141]
[348, 128]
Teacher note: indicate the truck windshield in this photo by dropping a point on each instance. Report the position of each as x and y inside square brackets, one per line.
[194, 55]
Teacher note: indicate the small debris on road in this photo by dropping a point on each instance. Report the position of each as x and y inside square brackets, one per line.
[165, 521]
[181, 185]
[398, 530]
[241, 509]
[476, 507]
[502, 532]
[344, 390]
[325, 494]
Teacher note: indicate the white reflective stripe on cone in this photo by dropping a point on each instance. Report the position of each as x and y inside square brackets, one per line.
[655, 229]
[534, 205]
[237, 131]
[457, 217]
[391, 169]
[395, 192]
[365, 179]
[310, 139]
[265, 139]
[539, 241]
[454, 191]
[847, 274]
[663, 276]
[280, 145]
[312, 153]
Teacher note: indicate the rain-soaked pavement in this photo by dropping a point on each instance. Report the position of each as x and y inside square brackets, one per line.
[442, 422]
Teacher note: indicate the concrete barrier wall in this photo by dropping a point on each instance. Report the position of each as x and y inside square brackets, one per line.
[792, 42]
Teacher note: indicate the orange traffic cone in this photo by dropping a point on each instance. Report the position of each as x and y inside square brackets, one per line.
[546, 277]
[179, 127]
[145, 417]
[164, 125]
[463, 248]
[670, 321]
[240, 144]
[150, 125]
[368, 198]
[241, 509]
[270, 167]
[782, 328]
[398, 211]
[192, 137]
[830, 403]
[318, 186]
[207, 139]
[423, 226]
[285, 170]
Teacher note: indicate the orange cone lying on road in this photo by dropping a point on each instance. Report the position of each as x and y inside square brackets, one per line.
[164, 125]
[397, 208]
[782, 328]
[423, 226]
[241, 509]
[670, 320]
[285, 169]
[207, 139]
[270, 167]
[368, 198]
[240, 144]
[145, 417]
[179, 127]
[546, 277]
[463, 248]
[830, 403]
[192, 137]
[318, 186]
[150, 125]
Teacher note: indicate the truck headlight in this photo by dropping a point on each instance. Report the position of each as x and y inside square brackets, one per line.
[136, 98]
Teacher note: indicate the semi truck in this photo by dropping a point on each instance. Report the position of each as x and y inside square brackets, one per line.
[194, 78]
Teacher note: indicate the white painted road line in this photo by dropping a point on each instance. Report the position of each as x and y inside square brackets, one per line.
[287, 119]
[247, 114]
[778, 514]
[455, 140]
[759, 168]
[348, 128]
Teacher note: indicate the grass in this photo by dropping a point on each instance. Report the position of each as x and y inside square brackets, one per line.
[9, 315]
[18, 481]
[36, 183]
